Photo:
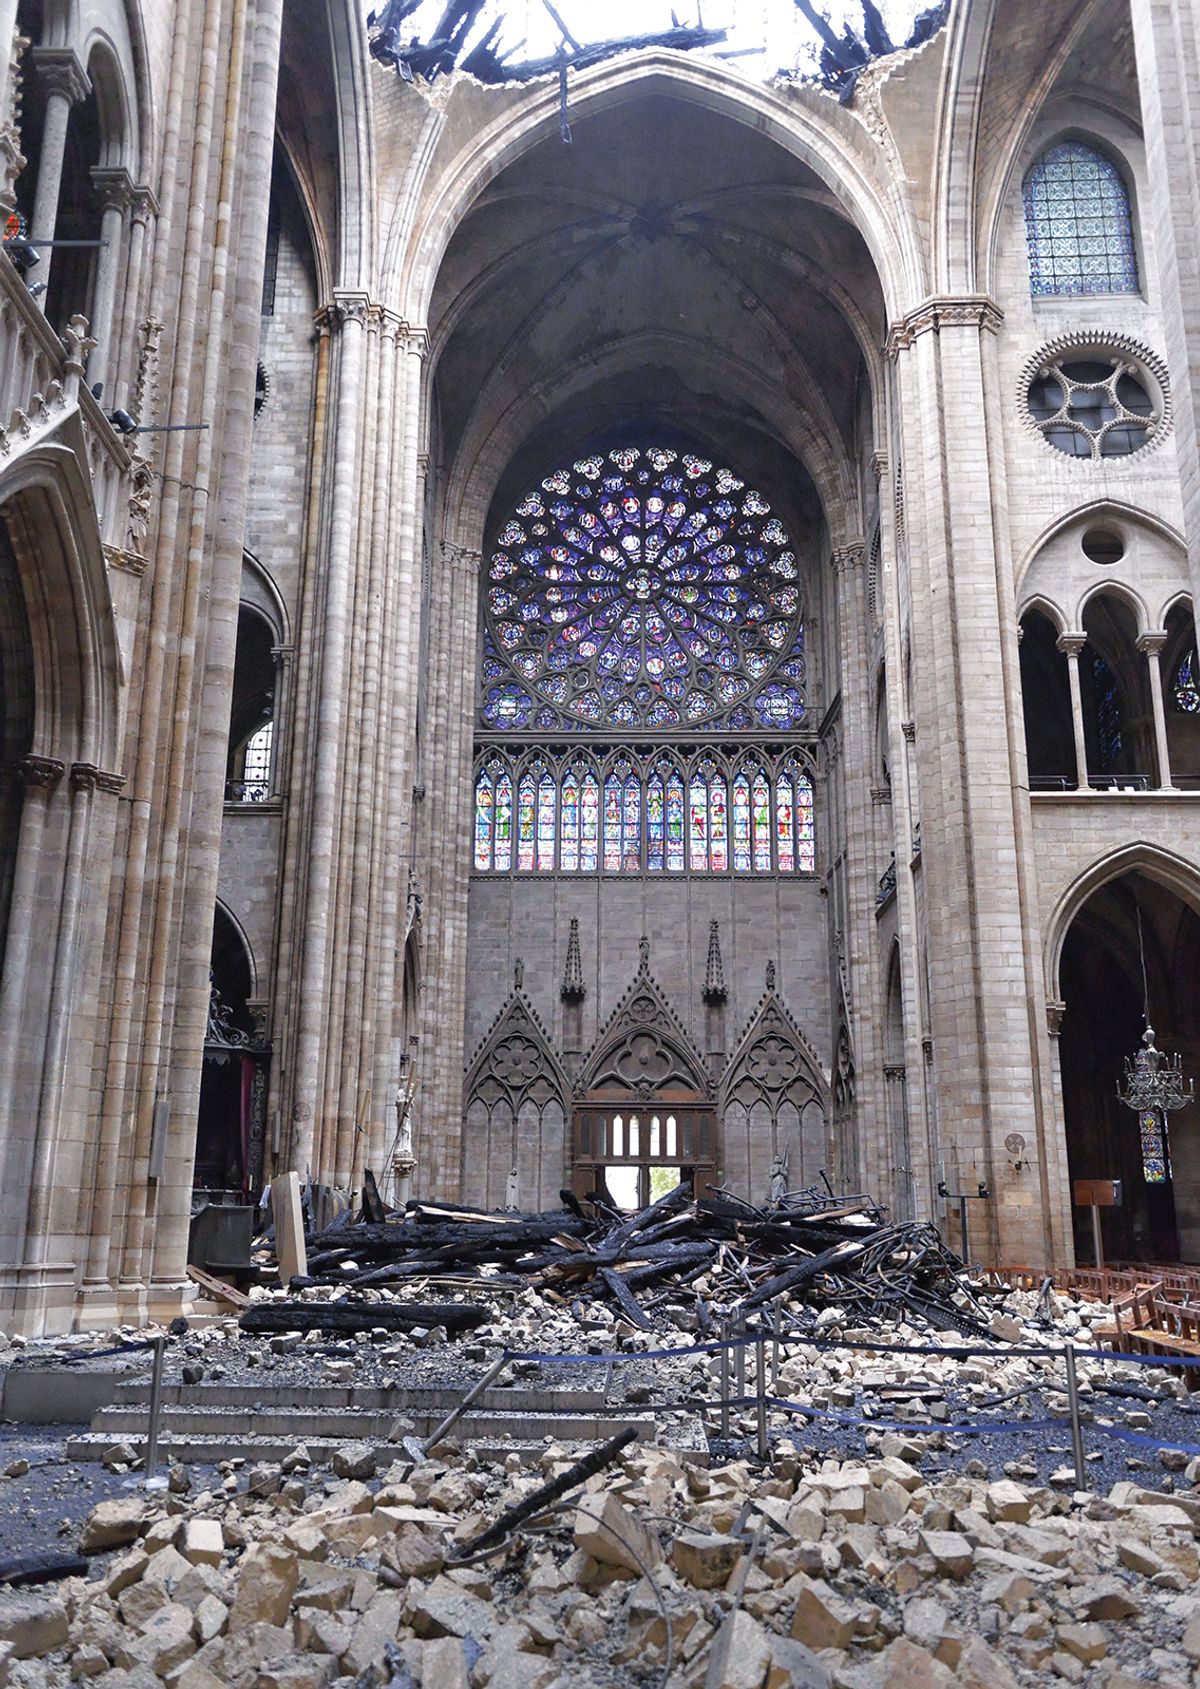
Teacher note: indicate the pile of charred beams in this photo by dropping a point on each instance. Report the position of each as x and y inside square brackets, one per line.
[680, 1262]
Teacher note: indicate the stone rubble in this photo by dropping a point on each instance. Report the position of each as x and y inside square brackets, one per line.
[876, 1570]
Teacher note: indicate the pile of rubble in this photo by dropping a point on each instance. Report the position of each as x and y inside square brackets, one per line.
[679, 1261]
[873, 1572]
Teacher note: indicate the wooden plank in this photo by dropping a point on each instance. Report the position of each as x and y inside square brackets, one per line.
[218, 1288]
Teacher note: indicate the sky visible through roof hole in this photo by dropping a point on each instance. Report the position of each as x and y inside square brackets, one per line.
[766, 35]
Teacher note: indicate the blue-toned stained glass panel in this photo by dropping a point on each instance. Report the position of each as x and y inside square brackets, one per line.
[806, 832]
[718, 810]
[1108, 714]
[631, 859]
[1078, 226]
[642, 590]
[1156, 1159]
[1186, 691]
[761, 817]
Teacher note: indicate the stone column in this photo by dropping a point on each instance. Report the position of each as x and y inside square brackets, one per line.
[1071, 644]
[283, 657]
[978, 861]
[1151, 644]
[114, 190]
[143, 211]
[899, 1154]
[66, 84]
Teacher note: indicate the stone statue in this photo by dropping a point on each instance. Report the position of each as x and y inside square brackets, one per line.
[779, 1177]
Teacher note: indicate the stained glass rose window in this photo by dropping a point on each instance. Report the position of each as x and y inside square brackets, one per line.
[643, 590]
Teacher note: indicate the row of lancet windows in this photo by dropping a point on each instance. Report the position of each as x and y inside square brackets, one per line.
[756, 820]
[1078, 224]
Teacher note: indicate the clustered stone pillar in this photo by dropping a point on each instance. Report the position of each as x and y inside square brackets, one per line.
[114, 190]
[66, 84]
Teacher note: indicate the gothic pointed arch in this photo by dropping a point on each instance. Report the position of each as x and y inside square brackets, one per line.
[515, 1112]
[644, 1047]
[774, 1101]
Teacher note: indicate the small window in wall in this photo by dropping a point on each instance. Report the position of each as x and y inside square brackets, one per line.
[1078, 226]
[248, 773]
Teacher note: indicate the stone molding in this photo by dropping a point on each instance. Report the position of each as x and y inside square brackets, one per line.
[1152, 642]
[349, 305]
[62, 71]
[462, 557]
[909, 730]
[1140, 358]
[1070, 643]
[969, 310]
[1056, 1008]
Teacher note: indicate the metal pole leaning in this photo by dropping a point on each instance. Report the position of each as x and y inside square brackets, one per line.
[761, 1352]
[741, 1356]
[150, 1465]
[775, 1351]
[724, 1378]
[418, 1448]
[1076, 1424]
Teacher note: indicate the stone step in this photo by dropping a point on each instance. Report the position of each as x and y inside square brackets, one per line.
[219, 1393]
[302, 1423]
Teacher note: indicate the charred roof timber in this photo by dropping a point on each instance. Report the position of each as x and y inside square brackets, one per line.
[841, 58]
[442, 54]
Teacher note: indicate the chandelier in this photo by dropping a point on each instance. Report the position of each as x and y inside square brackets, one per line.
[1153, 1086]
[1154, 1080]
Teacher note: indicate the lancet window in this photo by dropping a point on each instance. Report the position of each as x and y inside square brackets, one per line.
[1078, 225]
[653, 811]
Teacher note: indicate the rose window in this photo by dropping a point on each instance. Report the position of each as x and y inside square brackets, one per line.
[1095, 406]
[643, 590]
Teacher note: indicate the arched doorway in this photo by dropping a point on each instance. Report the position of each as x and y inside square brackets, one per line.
[229, 1122]
[1101, 983]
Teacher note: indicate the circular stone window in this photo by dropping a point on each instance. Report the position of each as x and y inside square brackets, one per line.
[1094, 400]
[1103, 545]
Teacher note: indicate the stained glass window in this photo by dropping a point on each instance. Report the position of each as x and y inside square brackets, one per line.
[589, 848]
[761, 817]
[643, 590]
[547, 803]
[1156, 1159]
[698, 822]
[655, 811]
[1108, 713]
[612, 825]
[718, 811]
[1186, 691]
[655, 818]
[526, 817]
[504, 814]
[484, 821]
[806, 835]
[631, 859]
[1078, 227]
[675, 825]
[569, 859]
[256, 765]
[741, 822]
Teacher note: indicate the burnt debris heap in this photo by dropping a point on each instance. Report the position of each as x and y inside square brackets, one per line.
[682, 1263]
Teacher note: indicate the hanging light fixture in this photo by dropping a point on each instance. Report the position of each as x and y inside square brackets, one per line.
[1153, 1086]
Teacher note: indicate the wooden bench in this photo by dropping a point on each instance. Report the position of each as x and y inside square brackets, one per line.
[1147, 1323]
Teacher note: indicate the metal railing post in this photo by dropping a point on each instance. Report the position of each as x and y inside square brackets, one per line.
[724, 1378]
[150, 1464]
[1076, 1424]
[761, 1351]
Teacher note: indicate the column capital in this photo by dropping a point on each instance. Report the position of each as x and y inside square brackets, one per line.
[62, 71]
[850, 556]
[461, 557]
[347, 306]
[114, 188]
[909, 730]
[1071, 642]
[1152, 641]
[932, 315]
[85, 776]
[40, 771]
[1055, 1010]
[144, 202]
